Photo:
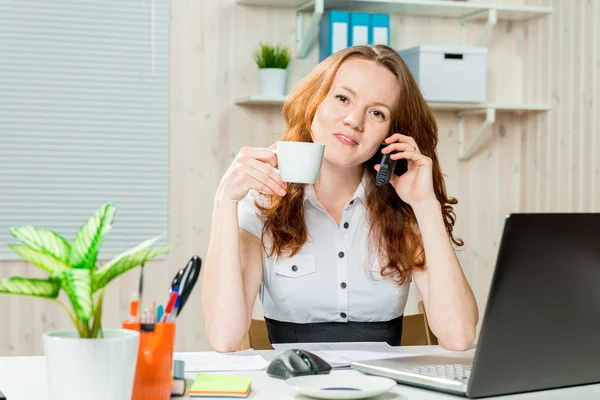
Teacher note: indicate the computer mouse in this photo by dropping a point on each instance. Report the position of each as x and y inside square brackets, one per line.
[297, 362]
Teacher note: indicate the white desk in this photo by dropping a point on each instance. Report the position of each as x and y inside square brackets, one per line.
[24, 378]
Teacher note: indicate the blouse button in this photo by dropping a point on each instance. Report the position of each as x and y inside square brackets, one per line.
[294, 268]
[351, 202]
[343, 315]
[343, 285]
[341, 254]
[346, 225]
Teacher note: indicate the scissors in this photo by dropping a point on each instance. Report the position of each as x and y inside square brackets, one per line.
[186, 280]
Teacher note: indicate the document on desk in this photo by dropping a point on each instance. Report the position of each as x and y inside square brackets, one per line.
[342, 354]
[211, 361]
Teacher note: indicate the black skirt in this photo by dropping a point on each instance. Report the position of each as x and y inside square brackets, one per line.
[290, 332]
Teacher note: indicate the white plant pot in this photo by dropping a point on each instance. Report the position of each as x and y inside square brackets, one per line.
[272, 82]
[91, 369]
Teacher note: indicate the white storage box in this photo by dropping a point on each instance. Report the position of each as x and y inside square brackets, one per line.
[448, 73]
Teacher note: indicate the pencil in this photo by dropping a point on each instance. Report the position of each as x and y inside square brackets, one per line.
[140, 291]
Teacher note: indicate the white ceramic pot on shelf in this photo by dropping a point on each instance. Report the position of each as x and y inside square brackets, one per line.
[272, 82]
[91, 369]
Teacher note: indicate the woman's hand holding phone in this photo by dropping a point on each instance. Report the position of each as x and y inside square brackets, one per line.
[416, 184]
[252, 168]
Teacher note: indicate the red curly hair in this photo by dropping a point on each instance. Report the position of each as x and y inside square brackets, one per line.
[393, 225]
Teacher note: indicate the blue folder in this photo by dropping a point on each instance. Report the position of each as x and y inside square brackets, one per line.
[380, 29]
[333, 33]
[359, 28]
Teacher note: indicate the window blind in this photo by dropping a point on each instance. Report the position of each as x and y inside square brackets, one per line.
[84, 117]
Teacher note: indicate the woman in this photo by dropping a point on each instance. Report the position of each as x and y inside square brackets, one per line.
[333, 260]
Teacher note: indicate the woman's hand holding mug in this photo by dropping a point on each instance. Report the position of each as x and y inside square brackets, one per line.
[252, 168]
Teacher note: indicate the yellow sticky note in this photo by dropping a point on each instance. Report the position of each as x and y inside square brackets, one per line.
[220, 386]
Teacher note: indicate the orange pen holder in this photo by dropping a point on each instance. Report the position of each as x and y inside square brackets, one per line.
[154, 369]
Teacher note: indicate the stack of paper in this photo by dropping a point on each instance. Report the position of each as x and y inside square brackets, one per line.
[220, 386]
[248, 360]
[341, 355]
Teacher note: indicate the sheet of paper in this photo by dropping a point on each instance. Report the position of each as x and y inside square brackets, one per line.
[341, 355]
[366, 346]
[344, 358]
[205, 361]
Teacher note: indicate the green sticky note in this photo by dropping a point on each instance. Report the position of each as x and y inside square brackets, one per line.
[205, 385]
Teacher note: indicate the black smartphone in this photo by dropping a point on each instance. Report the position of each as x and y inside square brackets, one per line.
[387, 166]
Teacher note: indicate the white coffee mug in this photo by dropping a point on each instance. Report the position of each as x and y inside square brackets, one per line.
[299, 162]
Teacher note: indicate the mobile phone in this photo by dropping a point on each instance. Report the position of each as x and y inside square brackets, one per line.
[387, 166]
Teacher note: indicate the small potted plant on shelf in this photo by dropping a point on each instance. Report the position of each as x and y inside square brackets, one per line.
[272, 61]
[88, 361]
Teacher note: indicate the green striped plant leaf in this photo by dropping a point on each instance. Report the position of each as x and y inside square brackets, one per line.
[44, 240]
[96, 331]
[30, 287]
[78, 285]
[40, 258]
[126, 261]
[87, 242]
[72, 267]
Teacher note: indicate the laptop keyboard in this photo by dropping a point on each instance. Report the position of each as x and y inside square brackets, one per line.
[456, 372]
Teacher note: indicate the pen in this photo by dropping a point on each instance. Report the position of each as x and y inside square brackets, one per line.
[159, 313]
[146, 317]
[171, 303]
[173, 314]
[134, 306]
[153, 311]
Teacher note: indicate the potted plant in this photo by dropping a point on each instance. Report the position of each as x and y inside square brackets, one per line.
[272, 62]
[88, 361]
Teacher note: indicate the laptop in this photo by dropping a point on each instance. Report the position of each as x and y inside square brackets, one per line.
[541, 326]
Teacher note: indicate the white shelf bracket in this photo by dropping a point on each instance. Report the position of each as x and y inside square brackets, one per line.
[305, 40]
[492, 20]
[465, 151]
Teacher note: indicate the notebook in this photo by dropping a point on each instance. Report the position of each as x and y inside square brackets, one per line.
[179, 383]
[220, 386]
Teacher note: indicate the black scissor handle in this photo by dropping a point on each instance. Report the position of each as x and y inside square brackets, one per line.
[190, 274]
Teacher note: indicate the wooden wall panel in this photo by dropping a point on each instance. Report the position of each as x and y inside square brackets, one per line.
[531, 162]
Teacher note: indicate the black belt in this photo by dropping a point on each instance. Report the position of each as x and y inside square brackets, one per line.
[291, 332]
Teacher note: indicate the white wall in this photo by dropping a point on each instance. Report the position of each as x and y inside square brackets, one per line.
[533, 162]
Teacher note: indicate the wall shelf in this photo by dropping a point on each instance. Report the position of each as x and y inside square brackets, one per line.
[463, 11]
[260, 101]
[465, 150]
[436, 106]
[424, 8]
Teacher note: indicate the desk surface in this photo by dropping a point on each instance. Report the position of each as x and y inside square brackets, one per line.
[24, 378]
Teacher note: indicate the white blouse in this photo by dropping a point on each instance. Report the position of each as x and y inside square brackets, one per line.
[335, 276]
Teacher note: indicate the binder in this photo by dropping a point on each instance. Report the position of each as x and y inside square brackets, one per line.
[380, 29]
[359, 28]
[333, 33]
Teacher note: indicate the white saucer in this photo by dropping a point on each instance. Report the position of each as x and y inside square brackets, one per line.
[340, 387]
